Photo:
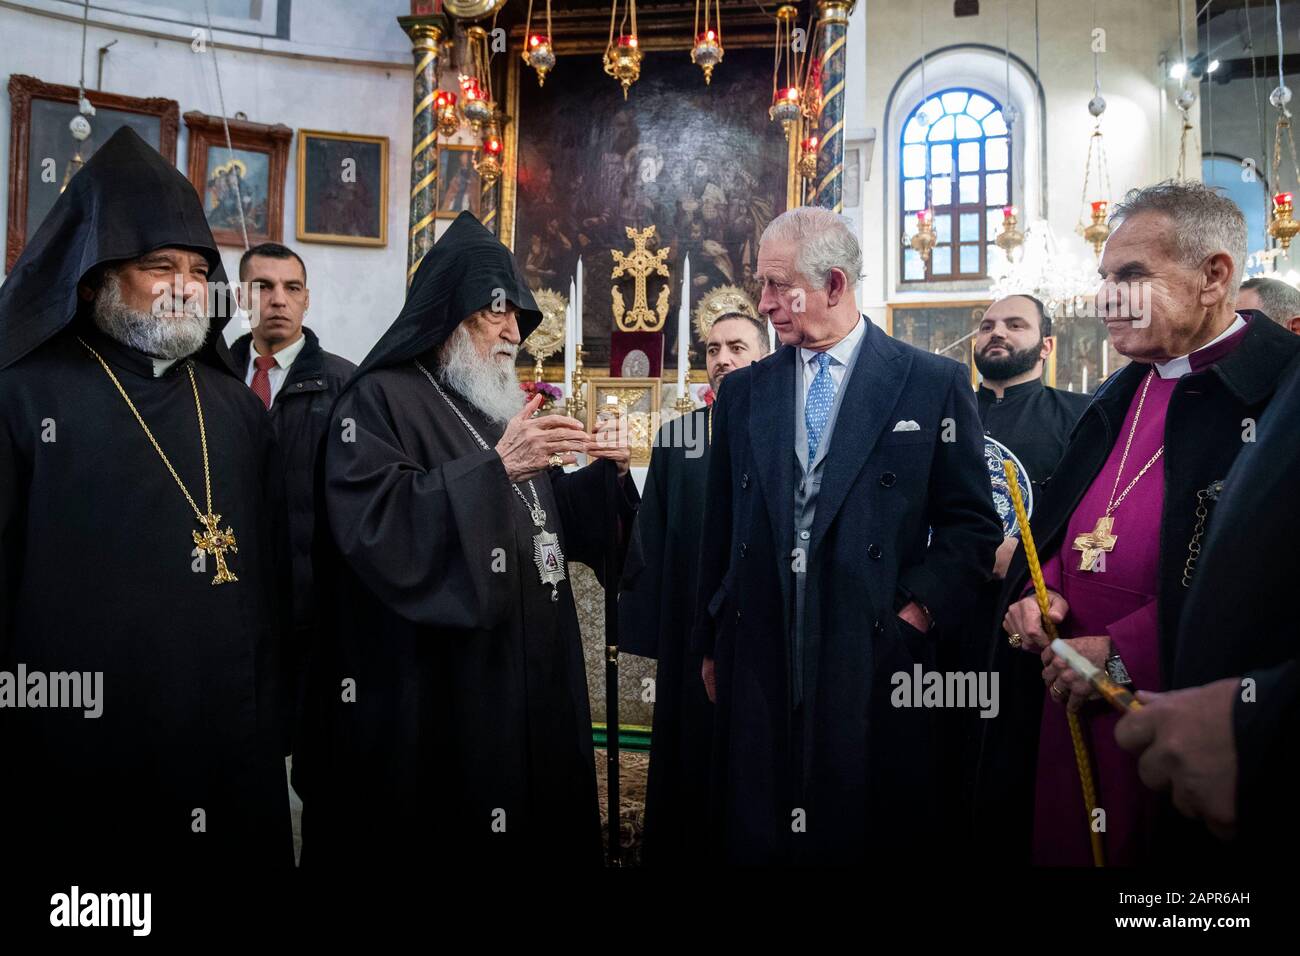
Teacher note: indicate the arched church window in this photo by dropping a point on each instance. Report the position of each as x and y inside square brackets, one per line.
[970, 182]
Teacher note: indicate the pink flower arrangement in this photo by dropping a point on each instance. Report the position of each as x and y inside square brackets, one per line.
[550, 394]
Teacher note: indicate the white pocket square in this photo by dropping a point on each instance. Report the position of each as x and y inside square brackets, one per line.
[907, 426]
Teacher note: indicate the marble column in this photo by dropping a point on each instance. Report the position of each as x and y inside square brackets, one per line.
[425, 33]
[832, 30]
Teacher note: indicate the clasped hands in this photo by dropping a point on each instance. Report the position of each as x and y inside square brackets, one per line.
[529, 445]
[1065, 686]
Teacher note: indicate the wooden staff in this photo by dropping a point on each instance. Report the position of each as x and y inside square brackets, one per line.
[1081, 759]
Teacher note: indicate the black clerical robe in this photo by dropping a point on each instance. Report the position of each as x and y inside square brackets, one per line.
[656, 613]
[1034, 421]
[448, 692]
[98, 575]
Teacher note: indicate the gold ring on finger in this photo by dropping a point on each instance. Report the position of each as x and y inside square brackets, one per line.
[556, 460]
[1014, 639]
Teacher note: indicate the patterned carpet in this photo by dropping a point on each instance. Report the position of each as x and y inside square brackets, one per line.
[632, 771]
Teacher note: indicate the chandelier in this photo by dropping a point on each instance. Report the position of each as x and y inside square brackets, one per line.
[623, 57]
[537, 47]
[707, 52]
[1064, 283]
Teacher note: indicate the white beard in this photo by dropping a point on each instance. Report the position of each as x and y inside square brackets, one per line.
[489, 383]
[164, 337]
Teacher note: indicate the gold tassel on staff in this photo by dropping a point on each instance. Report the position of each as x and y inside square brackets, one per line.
[1081, 759]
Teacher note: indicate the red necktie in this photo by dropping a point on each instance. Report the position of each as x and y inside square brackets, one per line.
[261, 380]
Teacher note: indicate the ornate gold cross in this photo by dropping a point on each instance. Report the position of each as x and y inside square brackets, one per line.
[640, 264]
[1096, 541]
[217, 542]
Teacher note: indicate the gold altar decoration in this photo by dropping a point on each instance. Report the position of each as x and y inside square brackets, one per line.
[719, 301]
[639, 265]
[472, 9]
[548, 337]
[707, 52]
[537, 51]
[623, 58]
[636, 402]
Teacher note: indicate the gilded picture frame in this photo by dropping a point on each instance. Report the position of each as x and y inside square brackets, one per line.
[342, 188]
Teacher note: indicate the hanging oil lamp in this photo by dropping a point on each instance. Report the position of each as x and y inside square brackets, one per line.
[444, 105]
[476, 104]
[1097, 230]
[623, 55]
[808, 157]
[707, 52]
[1009, 238]
[488, 162]
[924, 239]
[537, 47]
[786, 99]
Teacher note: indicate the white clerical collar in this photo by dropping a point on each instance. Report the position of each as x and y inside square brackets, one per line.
[161, 365]
[842, 350]
[1177, 368]
[284, 358]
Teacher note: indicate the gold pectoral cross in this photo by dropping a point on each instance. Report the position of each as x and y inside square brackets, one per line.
[217, 542]
[1093, 543]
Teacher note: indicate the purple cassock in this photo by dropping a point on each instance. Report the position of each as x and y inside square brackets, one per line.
[1119, 601]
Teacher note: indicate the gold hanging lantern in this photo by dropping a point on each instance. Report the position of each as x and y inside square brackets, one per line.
[707, 52]
[488, 160]
[444, 104]
[623, 56]
[537, 46]
[786, 98]
[477, 106]
[924, 239]
[1097, 230]
[808, 157]
[1282, 224]
[1009, 238]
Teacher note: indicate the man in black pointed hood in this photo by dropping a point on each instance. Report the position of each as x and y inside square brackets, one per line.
[141, 715]
[447, 705]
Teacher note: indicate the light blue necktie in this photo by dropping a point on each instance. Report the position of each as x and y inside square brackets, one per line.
[817, 406]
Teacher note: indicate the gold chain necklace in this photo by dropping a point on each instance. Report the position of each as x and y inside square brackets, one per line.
[1101, 538]
[213, 541]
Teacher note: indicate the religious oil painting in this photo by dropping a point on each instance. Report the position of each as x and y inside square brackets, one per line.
[703, 164]
[459, 188]
[947, 329]
[342, 188]
[242, 187]
[637, 401]
[43, 155]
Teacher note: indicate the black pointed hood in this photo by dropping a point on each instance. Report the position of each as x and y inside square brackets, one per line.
[461, 274]
[126, 201]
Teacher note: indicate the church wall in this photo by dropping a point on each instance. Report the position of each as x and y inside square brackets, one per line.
[1141, 123]
[356, 291]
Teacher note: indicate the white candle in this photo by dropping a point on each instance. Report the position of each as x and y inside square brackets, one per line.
[569, 350]
[576, 297]
[684, 327]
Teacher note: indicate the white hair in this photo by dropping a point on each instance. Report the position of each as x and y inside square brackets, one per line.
[488, 382]
[1204, 222]
[163, 336]
[823, 241]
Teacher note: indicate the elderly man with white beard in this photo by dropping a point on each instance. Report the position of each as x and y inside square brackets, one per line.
[448, 716]
[141, 540]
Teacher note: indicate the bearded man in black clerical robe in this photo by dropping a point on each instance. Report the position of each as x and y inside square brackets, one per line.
[149, 583]
[447, 697]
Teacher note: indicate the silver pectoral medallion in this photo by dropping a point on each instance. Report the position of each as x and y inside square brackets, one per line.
[549, 560]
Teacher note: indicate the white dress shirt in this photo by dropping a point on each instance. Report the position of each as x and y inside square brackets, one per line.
[840, 354]
[278, 372]
[1177, 368]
